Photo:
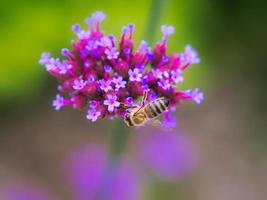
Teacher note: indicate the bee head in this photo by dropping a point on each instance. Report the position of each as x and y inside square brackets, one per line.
[166, 102]
[127, 120]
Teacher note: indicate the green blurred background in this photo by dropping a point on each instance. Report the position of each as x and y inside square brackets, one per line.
[229, 129]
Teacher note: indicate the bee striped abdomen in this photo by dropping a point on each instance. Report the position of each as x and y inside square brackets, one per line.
[139, 116]
[157, 107]
[162, 105]
[150, 111]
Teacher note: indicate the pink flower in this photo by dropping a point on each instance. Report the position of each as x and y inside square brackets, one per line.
[98, 70]
[196, 95]
[58, 102]
[105, 85]
[190, 55]
[135, 75]
[111, 102]
[112, 53]
[79, 84]
[93, 115]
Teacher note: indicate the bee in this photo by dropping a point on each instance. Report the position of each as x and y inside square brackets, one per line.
[140, 115]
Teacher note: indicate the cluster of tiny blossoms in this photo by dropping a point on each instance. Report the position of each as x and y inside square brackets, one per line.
[100, 76]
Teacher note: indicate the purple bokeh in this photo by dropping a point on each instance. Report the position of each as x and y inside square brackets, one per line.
[170, 155]
[25, 191]
[90, 175]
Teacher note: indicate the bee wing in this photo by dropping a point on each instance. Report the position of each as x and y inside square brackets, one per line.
[156, 123]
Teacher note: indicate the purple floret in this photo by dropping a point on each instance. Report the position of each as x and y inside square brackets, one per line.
[135, 75]
[105, 85]
[93, 115]
[111, 53]
[111, 102]
[58, 102]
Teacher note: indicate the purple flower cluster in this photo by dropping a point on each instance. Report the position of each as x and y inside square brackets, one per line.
[96, 70]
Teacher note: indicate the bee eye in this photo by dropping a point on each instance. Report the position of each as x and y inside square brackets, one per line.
[166, 102]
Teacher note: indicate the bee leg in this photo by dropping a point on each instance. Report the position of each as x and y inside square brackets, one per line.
[144, 98]
[143, 102]
[127, 106]
[156, 123]
[126, 124]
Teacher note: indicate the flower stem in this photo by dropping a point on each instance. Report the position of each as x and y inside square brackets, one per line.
[120, 133]
[118, 138]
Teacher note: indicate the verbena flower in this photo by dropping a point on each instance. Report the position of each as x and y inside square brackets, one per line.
[97, 69]
[111, 102]
[93, 115]
[58, 102]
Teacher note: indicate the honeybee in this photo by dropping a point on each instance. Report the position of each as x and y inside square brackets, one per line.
[140, 115]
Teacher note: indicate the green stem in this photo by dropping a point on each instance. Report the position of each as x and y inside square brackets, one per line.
[118, 138]
[120, 133]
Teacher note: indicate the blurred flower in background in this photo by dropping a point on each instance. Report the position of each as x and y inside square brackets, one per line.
[169, 154]
[85, 171]
[25, 191]
[91, 174]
